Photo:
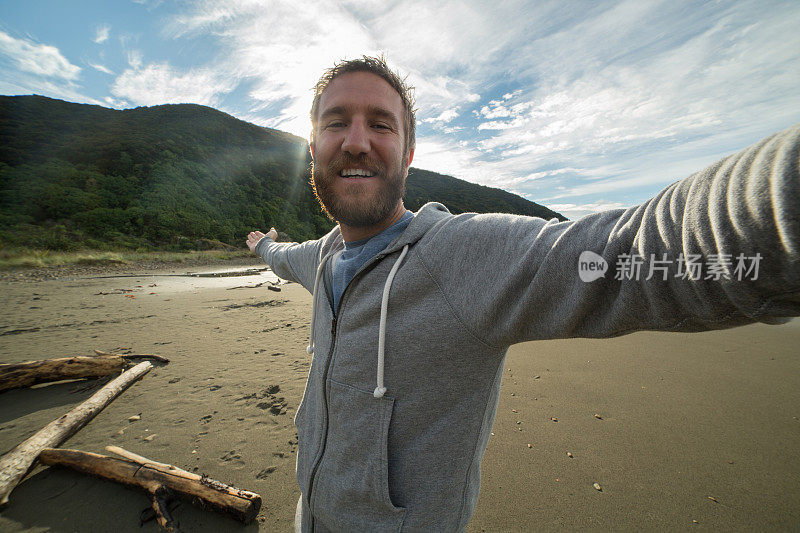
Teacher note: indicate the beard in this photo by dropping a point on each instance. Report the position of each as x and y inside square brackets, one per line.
[359, 205]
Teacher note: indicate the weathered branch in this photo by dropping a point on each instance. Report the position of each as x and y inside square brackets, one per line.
[160, 481]
[16, 463]
[18, 375]
[148, 356]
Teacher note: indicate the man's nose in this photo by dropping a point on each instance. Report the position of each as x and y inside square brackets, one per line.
[356, 140]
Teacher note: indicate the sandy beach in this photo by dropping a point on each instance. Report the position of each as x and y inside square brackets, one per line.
[680, 431]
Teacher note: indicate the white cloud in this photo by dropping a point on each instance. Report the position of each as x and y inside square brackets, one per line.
[575, 211]
[160, 83]
[280, 51]
[28, 67]
[38, 59]
[135, 59]
[101, 68]
[101, 33]
[113, 102]
[550, 173]
[445, 116]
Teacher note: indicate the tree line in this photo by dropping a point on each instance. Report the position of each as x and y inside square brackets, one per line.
[171, 177]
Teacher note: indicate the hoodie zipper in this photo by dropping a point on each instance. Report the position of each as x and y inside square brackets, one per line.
[379, 256]
[325, 403]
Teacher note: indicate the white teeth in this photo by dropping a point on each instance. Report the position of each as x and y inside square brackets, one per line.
[351, 172]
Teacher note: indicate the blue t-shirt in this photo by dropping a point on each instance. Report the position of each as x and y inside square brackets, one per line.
[356, 253]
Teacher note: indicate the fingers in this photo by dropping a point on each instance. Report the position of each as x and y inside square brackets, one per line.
[254, 236]
[252, 239]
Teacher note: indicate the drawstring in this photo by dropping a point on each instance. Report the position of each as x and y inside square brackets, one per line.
[320, 270]
[380, 389]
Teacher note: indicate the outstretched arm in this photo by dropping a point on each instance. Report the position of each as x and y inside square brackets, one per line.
[739, 220]
[289, 260]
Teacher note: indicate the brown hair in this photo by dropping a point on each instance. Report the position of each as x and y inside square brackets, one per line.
[377, 66]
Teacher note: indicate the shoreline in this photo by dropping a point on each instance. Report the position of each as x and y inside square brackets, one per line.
[140, 267]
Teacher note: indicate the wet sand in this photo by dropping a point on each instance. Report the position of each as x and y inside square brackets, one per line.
[683, 417]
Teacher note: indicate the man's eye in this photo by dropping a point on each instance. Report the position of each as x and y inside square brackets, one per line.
[381, 126]
[335, 124]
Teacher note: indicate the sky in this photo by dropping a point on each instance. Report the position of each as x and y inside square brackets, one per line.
[579, 105]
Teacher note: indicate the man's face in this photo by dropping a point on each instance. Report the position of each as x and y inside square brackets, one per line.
[359, 162]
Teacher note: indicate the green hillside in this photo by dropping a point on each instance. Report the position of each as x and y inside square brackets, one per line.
[171, 177]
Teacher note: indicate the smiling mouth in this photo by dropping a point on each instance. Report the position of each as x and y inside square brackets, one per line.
[356, 173]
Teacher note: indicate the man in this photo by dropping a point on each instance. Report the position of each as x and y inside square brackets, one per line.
[413, 313]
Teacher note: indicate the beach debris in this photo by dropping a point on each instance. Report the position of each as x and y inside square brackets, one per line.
[695, 522]
[713, 499]
[134, 418]
[163, 482]
[121, 431]
[257, 285]
[513, 410]
[512, 394]
[569, 454]
[530, 445]
[16, 463]
[146, 356]
[554, 419]
[115, 291]
[19, 375]
[597, 487]
[537, 377]
[150, 437]
[598, 416]
[274, 288]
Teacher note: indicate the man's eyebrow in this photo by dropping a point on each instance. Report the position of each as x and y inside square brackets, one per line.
[374, 111]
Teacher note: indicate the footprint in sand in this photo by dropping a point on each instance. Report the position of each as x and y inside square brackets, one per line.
[266, 472]
[232, 457]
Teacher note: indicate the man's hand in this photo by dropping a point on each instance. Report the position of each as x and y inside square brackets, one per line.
[254, 236]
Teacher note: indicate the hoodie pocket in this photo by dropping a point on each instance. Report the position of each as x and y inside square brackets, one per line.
[351, 489]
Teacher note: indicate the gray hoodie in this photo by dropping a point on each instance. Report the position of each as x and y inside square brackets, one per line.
[395, 420]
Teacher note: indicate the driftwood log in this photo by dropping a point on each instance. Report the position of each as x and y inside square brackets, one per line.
[16, 463]
[146, 356]
[18, 375]
[161, 481]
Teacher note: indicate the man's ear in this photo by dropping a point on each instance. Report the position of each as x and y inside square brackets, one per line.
[410, 158]
[311, 149]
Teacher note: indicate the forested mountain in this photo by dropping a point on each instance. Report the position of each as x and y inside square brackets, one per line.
[172, 176]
